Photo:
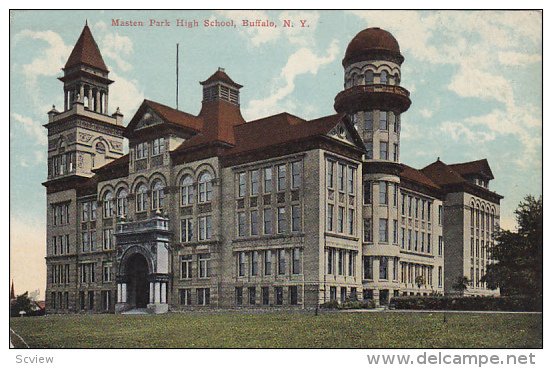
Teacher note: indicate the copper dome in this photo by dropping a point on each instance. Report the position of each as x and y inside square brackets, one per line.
[373, 43]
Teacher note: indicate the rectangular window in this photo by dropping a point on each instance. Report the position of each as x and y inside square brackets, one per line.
[383, 232]
[85, 211]
[330, 260]
[281, 177]
[367, 267]
[158, 146]
[352, 263]
[186, 230]
[279, 293]
[395, 152]
[254, 263]
[282, 221]
[268, 262]
[204, 265]
[367, 192]
[395, 269]
[265, 295]
[428, 211]
[440, 276]
[368, 230]
[383, 120]
[205, 228]
[416, 240]
[293, 295]
[296, 218]
[395, 232]
[267, 179]
[203, 296]
[241, 185]
[239, 296]
[107, 271]
[186, 296]
[85, 242]
[330, 174]
[417, 203]
[267, 219]
[369, 146]
[351, 179]
[383, 193]
[296, 169]
[422, 208]
[384, 150]
[333, 293]
[241, 223]
[403, 236]
[241, 264]
[422, 242]
[409, 206]
[254, 222]
[409, 239]
[340, 261]
[351, 221]
[282, 262]
[440, 250]
[341, 177]
[186, 267]
[441, 215]
[107, 239]
[403, 204]
[296, 261]
[329, 217]
[252, 295]
[429, 243]
[368, 121]
[384, 271]
[254, 182]
[340, 219]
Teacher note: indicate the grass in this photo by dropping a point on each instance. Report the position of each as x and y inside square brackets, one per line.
[281, 330]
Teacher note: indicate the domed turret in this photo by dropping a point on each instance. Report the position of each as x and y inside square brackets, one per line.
[373, 44]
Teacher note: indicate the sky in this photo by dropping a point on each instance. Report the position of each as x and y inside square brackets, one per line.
[475, 80]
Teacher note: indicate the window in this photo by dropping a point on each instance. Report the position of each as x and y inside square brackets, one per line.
[409, 206]
[239, 295]
[107, 239]
[295, 218]
[428, 211]
[281, 177]
[107, 271]
[186, 230]
[368, 230]
[279, 292]
[203, 296]
[333, 293]
[93, 209]
[341, 177]
[409, 239]
[122, 203]
[397, 124]
[254, 265]
[293, 295]
[204, 228]
[296, 169]
[422, 242]
[85, 215]
[267, 179]
[395, 231]
[340, 261]
[186, 190]
[252, 295]
[265, 295]
[383, 192]
[369, 146]
[352, 262]
[186, 267]
[369, 77]
[204, 265]
[141, 150]
[157, 195]
[395, 268]
[429, 243]
[351, 221]
[254, 182]
[186, 296]
[369, 120]
[384, 151]
[441, 215]
[403, 204]
[296, 261]
[383, 77]
[158, 146]
[384, 272]
[330, 174]
[282, 222]
[383, 238]
[417, 203]
[440, 276]
[282, 262]
[331, 260]
[367, 192]
[205, 187]
[254, 222]
[241, 185]
[108, 204]
[241, 264]
[402, 237]
[141, 198]
[241, 223]
[416, 240]
[440, 249]
[351, 179]
[395, 152]
[268, 262]
[267, 219]
[383, 120]
[329, 217]
[85, 242]
[340, 219]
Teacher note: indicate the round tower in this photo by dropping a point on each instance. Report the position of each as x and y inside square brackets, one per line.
[374, 100]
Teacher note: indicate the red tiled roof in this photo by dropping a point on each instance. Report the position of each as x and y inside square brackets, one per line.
[478, 167]
[220, 75]
[415, 175]
[174, 116]
[86, 52]
[442, 174]
[369, 41]
[115, 165]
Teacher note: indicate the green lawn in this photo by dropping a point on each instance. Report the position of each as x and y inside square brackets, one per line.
[282, 330]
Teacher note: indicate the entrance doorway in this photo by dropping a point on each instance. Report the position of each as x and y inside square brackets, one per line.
[138, 286]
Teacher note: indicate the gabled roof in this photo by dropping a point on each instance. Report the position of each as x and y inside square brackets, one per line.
[442, 174]
[220, 76]
[87, 52]
[478, 167]
[114, 169]
[417, 176]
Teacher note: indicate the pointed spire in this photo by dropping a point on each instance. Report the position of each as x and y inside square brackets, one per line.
[12, 291]
[86, 52]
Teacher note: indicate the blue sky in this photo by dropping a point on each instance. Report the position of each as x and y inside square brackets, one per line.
[475, 81]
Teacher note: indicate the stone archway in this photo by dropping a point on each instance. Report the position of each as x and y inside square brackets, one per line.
[137, 281]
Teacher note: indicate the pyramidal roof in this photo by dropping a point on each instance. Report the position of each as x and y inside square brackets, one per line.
[86, 51]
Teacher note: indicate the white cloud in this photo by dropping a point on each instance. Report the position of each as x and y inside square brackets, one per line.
[426, 113]
[512, 58]
[34, 129]
[126, 94]
[469, 82]
[117, 47]
[458, 131]
[303, 61]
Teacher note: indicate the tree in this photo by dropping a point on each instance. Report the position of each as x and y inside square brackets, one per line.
[21, 303]
[461, 284]
[518, 257]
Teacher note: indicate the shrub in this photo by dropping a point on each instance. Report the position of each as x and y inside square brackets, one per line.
[467, 303]
[349, 304]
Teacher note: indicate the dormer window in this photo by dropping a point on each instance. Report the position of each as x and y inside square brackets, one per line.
[158, 146]
[141, 150]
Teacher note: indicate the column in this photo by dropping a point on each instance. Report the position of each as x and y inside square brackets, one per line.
[106, 98]
[97, 102]
[163, 292]
[151, 295]
[157, 293]
[90, 100]
[81, 93]
[119, 293]
[65, 105]
[124, 293]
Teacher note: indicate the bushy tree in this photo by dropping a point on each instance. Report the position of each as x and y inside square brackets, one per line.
[518, 256]
[21, 303]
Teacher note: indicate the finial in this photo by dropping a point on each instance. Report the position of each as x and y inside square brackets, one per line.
[86, 23]
[53, 107]
[438, 158]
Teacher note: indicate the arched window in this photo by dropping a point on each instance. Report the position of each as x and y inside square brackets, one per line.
[383, 77]
[355, 79]
[108, 204]
[100, 147]
[157, 195]
[186, 190]
[141, 198]
[397, 79]
[122, 203]
[205, 187]
[369, 77]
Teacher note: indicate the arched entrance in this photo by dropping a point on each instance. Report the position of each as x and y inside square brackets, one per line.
[138, 285]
